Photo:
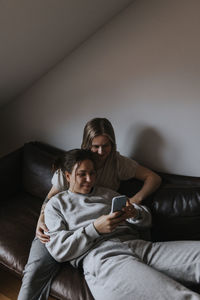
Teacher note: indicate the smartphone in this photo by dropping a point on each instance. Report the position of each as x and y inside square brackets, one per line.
[118, 203]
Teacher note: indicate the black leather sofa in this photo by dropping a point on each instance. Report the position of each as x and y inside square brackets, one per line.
[25, 179]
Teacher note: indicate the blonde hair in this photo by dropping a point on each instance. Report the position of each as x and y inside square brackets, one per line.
[96, 127]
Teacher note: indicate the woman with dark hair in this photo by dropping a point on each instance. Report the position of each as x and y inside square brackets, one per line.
[117, 264]
[111, 168]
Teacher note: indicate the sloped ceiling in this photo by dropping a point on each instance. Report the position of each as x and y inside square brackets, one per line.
[37, 34]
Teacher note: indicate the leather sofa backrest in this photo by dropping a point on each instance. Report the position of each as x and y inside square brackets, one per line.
[37, 171]
[11, 174]
[176, 213]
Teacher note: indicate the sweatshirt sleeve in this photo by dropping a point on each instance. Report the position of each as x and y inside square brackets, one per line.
[65, 245]
[143, 217]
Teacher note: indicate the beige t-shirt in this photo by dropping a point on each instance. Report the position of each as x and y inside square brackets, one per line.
[115, 169]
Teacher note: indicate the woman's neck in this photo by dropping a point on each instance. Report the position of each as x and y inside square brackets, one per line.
[74, 192]
[101, 163]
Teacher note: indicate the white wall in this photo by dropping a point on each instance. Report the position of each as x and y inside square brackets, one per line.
[141, 71]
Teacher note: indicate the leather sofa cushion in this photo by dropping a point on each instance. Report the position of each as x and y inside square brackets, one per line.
[18, 217]
[70, 284]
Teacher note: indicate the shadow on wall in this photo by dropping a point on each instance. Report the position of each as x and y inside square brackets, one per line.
[148, 147]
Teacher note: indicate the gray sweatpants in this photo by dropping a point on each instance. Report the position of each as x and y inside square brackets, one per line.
[142, 270]
[38, 273]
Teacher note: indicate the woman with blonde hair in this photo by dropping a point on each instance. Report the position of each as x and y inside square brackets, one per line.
[112, 167]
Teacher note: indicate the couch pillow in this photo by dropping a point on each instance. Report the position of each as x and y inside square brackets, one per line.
[37, 169]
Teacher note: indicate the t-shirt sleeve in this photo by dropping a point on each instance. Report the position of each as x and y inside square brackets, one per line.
[126, 167]
[58, 180]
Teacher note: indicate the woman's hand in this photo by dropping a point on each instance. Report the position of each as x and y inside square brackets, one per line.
[41, 227]
[108, 223]
[129, 210]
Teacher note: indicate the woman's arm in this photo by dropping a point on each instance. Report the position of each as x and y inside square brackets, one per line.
[65, 245]
[41, 227]
[151, 183]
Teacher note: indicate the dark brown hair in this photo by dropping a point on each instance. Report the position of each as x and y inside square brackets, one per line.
[72, 157]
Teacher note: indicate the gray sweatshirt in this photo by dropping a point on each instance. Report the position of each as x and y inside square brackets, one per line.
[70, 219]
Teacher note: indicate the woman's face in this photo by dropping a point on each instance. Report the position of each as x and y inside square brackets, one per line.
[82, 178]
[101, 145]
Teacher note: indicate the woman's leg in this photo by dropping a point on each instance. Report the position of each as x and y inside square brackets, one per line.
[38, 273]
[114, 272]
[178, 259]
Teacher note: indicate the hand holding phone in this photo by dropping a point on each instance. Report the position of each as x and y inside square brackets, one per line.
[118, 203]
